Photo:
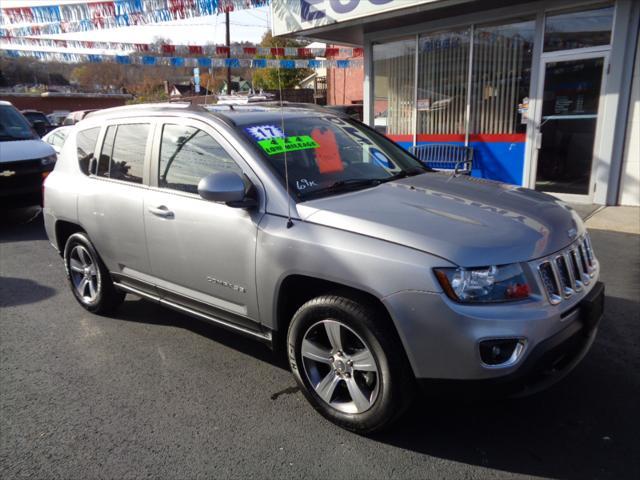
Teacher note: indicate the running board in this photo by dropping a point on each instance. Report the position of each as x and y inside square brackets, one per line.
[263, 336]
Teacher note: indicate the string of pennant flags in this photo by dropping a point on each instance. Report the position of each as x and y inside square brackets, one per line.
[82, 16]
[174, 61]
[35, 43]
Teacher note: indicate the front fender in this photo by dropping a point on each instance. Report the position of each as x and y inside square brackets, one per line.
[368, 264]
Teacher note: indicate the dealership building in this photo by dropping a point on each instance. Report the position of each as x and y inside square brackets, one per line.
[546, 94]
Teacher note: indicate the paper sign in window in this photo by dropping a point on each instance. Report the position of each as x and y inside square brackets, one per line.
[275, 146]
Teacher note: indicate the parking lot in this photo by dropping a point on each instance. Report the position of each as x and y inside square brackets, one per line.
[153, 393]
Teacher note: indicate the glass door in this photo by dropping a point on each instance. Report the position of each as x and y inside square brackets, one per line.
[568, 121]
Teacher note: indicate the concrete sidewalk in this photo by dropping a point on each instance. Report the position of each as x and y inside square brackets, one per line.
[616, 219]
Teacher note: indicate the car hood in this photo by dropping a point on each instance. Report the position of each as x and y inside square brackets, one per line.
[469, 221]
[15, 151]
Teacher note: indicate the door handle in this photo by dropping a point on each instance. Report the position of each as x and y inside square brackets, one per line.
[161, 211]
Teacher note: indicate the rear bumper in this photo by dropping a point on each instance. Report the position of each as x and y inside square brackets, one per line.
[550, 361]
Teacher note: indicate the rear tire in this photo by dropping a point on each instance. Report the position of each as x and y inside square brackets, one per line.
[88, 277]
[350, 363]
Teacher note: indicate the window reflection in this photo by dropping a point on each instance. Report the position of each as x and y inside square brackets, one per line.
[587, 28]
[187, 154]
[443, 74]
[394, 87]
[501, 77]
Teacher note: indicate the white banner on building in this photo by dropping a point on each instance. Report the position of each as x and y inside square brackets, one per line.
[291, 16]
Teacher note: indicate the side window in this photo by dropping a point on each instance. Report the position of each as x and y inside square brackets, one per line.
[58, 140]
[187, 154]
[123, 150]
[85, 146]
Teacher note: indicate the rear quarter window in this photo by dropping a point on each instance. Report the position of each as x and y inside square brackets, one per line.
[85, 146]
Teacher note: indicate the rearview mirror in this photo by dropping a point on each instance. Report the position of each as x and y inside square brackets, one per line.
[224, 187]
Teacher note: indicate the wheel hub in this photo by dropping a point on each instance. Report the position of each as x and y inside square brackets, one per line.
[341, 364]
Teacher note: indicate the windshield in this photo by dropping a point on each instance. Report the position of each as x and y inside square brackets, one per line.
[329, 155]
[36, 117]
[13, 126]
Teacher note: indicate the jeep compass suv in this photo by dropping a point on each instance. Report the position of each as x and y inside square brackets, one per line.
[312, 232]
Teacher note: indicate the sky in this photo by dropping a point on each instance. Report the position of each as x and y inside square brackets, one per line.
[246, 25]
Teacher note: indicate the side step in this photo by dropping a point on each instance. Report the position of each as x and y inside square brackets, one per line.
[262, 336]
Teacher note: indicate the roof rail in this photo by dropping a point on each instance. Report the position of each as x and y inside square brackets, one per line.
[149, 106]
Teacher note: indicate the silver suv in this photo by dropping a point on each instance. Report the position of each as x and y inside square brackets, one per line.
[317, 235]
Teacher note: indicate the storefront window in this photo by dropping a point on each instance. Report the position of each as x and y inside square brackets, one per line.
[500, 81]
[394, 87]
[501, 78]
[443, 75]
[588, 28]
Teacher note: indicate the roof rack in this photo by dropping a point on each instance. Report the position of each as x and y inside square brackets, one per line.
[149, 106]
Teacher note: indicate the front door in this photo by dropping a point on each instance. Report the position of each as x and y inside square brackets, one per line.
[568, 125]
[202, 253]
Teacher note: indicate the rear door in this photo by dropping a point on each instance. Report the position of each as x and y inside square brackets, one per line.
[202, 253]
[110, 208]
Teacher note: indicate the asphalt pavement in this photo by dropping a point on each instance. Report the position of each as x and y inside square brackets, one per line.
[152, 393]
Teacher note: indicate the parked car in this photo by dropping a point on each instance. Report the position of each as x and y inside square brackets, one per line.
[56, 137]
[38, 121]
[315, 234]
[57, 117]
[74, 117]
[25, 160]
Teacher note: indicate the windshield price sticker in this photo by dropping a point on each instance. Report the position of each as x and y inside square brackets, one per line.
[265, 132]
[289, 144]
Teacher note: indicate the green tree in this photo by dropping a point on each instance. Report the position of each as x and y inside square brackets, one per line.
[267, 78]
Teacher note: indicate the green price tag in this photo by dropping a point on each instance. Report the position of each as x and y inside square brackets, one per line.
[273, 146]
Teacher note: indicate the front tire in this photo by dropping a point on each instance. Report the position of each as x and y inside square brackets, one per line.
[88, 277]
[349, 363]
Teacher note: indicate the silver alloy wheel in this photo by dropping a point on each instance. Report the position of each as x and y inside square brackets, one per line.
[340, 367]
[84, 273]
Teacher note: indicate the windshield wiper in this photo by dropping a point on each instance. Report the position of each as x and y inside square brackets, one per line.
[406, 173]
[345, 185]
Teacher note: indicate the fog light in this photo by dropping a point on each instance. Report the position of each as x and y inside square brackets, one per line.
[501, 352]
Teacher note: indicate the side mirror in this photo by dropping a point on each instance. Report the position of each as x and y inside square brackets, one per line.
[225, 187]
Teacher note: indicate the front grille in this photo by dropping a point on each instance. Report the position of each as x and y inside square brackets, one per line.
[568, 271]
[25, 176]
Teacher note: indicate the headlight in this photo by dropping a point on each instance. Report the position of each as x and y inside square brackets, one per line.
[49, 160]
[484, 285]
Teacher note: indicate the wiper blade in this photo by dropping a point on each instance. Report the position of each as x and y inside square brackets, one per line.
[345, 185]
[406, 173]
[355, 182]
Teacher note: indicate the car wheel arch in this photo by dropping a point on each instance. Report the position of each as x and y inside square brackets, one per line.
[306, 288]
[63, 231]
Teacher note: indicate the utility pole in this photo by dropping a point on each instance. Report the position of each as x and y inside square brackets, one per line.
[226, 14]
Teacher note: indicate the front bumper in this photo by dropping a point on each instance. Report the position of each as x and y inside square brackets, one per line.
[548, 363]
[442, 338]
